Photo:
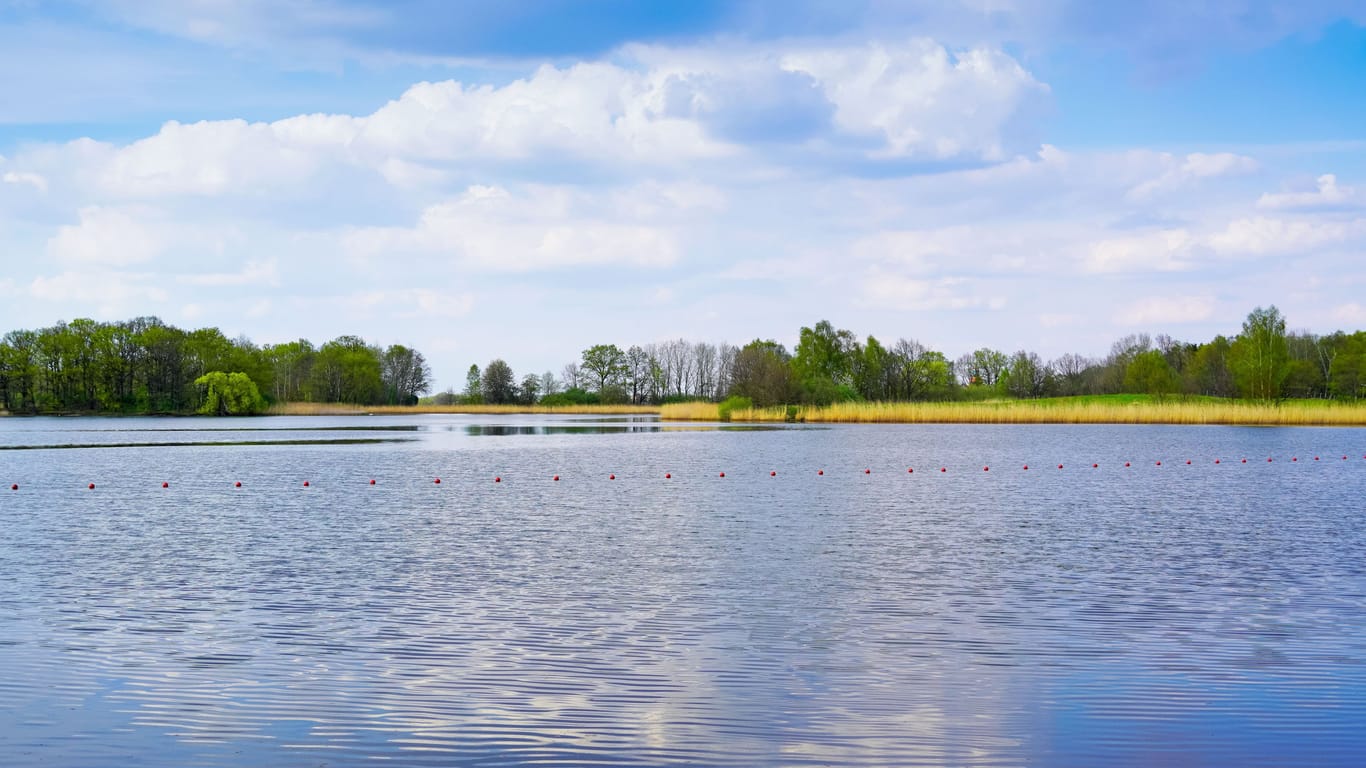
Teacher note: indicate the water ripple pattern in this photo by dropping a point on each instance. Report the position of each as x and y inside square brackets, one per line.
[1201, 614]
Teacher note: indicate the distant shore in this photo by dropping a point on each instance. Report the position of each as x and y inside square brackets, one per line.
[342, 409]
[1097, 409]
[1086, 409]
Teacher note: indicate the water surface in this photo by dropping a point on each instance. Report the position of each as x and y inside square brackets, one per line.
[1201, 614]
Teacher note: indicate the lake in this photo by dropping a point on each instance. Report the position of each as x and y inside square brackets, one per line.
[817, 605]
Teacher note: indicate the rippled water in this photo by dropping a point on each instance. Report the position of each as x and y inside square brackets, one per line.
[1201, 614]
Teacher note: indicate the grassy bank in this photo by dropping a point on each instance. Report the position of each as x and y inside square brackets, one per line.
[341, 409]
[1103, 409]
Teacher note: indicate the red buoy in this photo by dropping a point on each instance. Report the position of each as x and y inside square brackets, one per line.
[1268, 459]
[1244, 461]
[1316, 458]
[14, 487]
[1059, 466]
[910, 470]
[723, 474]
[1216, 461]
[497, 479]
[943, 469]
[1026, 466]
[556, 478]
[437, 481]
[1188, 461]
[986, 469]
[305, 483]
[611, 477]
[1159, 463]
[867, 471]
[238, 484]
[1095, 466]
[1127, 463]
[1294, 458]
[165, 485]
[820, 471]
[91, 486]
[667, 475]
[372, 481]
[772, 474]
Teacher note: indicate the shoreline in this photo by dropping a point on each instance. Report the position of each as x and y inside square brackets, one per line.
[1084, 410]
[1101, 409]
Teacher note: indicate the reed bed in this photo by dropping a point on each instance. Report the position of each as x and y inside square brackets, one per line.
[1054, 411]
[342, 409]
[693, 411]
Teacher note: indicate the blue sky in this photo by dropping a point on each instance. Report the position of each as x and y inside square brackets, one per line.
[525, 179]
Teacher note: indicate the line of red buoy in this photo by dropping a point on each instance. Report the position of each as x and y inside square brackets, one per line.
[772, 473]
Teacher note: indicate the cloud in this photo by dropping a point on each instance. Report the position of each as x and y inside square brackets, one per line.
[1326, 196]
[106, 236]
[911, 294]
[1160, 310]
[648, 110]
[1263, 235]
[1352, 314]
[1059, 320]
[919, 99]
[261, 273]
[492, 229]
[1167, 250]
[1193, 167]
[112, 294]
[22, 177]
[1184, 249]
[417, 303]
[214, 157]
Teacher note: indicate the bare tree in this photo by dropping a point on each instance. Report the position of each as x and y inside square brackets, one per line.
[571, 375]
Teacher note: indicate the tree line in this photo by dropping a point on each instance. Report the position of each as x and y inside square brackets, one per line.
[146, 366]
[1263, 362]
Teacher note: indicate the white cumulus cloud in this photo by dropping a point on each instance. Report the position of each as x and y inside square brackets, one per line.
[24, 177]
[1326, 195]
[919, 98]
[108, 236]
[492, 229]
[1158, 310]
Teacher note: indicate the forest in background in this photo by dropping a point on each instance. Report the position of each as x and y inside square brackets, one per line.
[830, 365]
[147, 366]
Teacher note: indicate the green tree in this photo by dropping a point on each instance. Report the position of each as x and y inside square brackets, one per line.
[229, 394]
[1259, 357]
[605, 363]
[1026, 376]
[1347, 373]
[165, 372]
[762, 372]
[347, 370]
[499, 385]
[983, 367]
[870, 365]
[531, 387]
[474, 386]
[823, 361]
[19, 360]
[292, 364]
[1208, 372]
[405, 373]
[1150, 373]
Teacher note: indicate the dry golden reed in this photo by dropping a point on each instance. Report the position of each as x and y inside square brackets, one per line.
[693, 411]
[342, 409]
[1059, 411]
